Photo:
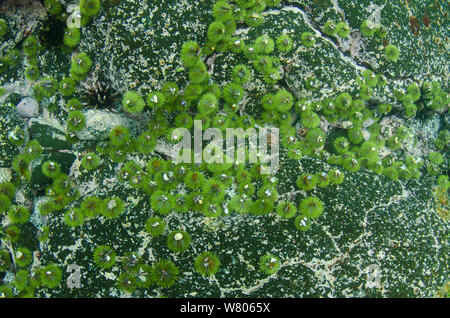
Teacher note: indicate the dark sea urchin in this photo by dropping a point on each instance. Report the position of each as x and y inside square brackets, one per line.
[99, 94]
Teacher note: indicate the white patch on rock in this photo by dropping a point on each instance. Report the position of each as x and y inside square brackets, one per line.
[28, 107]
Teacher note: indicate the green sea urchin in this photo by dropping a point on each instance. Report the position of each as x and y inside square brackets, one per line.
[207, 263]
[178, 241]
[311, 207]
[164, 273]
[269, 264]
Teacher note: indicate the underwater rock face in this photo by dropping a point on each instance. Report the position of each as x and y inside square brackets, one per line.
[28, 107]
[99, 123]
